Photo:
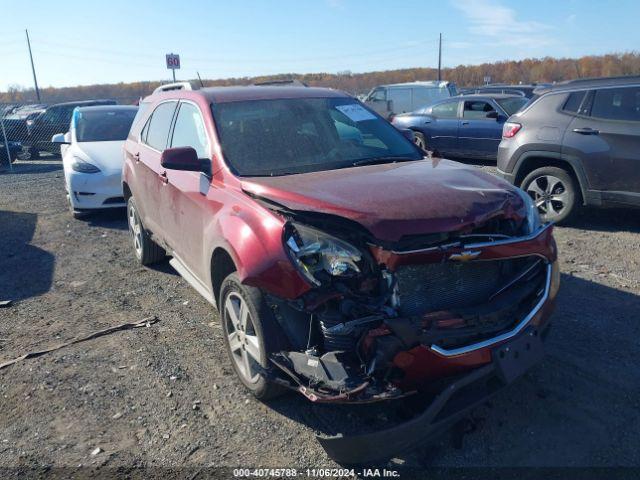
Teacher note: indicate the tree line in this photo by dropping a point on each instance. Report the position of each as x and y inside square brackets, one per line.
[526, 71]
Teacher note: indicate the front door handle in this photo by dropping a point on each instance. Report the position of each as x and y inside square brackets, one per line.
[465, 123]
[163, 177]
[586, 131]
[136, 157]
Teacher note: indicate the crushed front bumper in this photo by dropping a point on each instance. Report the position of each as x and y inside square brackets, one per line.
[509, 361]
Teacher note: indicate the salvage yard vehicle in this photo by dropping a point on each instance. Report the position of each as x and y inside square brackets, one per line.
[467, 127]
[344, 263]
[390, 100]
[577, 143]
[92, 157]
[54, 119]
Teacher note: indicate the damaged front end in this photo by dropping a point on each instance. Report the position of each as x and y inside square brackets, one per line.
[385, 321]
[447, 318]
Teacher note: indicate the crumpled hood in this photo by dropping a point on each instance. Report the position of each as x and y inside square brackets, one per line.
[394, 200]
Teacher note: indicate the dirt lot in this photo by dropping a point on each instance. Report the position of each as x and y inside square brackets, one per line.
[166, 395]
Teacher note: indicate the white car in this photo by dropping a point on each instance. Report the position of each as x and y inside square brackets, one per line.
[92, 157]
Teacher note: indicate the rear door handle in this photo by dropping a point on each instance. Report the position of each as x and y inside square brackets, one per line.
[586, 131]
[136, 157]
[163, 177]
[465, 123]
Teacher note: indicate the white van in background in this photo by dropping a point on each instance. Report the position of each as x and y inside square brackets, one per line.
[390, 100]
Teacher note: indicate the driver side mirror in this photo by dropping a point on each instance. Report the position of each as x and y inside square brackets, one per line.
[181, 158]
[60, 139]
[492, 114]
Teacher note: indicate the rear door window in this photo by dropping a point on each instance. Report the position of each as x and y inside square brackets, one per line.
[156, 133]
[617, 104]
[445, 110]
[477, 110]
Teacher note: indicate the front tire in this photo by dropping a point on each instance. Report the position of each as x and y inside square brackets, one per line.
[147, 251]
[250, 334]
[554, 192]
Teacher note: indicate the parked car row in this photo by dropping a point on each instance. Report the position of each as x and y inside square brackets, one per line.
[32, 126]
[571, 144]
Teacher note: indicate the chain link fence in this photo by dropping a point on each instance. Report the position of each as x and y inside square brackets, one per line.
[26, 128]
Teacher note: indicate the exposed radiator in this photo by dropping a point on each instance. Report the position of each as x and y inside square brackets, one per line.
[441, 286]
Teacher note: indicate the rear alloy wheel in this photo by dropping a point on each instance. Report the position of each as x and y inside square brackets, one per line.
[419, 140]
[553, 191]
[147, 251]
[251, 333]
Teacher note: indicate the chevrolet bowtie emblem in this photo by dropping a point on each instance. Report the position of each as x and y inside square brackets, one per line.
[465, 256]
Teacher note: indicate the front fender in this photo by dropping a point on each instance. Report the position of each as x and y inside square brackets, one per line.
[253, 239]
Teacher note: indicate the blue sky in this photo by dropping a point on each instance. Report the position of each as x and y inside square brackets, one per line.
[79, 42]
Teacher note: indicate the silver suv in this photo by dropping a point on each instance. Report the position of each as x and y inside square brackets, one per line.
[576, 143]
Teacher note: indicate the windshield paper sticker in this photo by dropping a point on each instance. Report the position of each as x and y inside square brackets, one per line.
[356, 112]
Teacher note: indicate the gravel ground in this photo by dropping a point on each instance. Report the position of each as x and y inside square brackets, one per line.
[166, 395]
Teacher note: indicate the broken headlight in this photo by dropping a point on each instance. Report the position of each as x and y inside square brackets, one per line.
[320, 256]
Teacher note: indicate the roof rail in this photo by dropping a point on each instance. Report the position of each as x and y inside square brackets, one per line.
[274, 83]
[168, 87]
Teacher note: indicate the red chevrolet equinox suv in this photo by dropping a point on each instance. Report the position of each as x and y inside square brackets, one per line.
[345, 264]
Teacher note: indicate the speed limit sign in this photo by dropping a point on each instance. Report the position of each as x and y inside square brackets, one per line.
[173, 61]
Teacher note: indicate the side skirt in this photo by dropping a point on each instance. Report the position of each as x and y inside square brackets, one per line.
[192, 279]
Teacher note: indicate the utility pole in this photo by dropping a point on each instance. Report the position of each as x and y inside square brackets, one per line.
[440, 58]
[33, 69]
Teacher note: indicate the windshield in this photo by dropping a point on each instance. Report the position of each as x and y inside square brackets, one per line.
[104, 125]
[287, 136]
[512, 105]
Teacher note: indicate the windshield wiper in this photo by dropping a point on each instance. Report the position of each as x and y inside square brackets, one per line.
[375, 160]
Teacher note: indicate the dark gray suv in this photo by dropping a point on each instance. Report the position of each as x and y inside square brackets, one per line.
[576, 143]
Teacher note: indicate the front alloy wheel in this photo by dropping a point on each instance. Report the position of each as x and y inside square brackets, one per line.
[251, 333]
[242, 338]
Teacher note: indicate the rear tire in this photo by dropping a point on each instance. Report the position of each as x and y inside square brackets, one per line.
[554, 192]
[420, 142]
[147, 251]
[250, 335]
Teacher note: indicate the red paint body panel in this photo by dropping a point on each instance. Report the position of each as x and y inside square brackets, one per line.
[395, 200]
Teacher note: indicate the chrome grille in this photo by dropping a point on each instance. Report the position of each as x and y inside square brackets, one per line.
[442, 286]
